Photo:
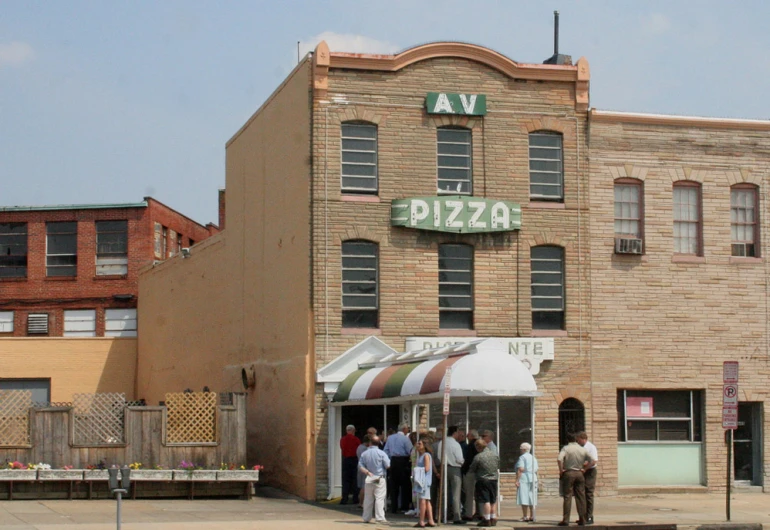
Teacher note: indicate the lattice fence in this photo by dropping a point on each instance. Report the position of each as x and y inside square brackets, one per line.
[191, 417]
[14, 418]
[98, 419]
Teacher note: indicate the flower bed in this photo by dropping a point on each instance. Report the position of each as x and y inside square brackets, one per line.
[95, 474]
[146, 475]
[17, 474]
[60, 474]
[195, 475]
[238, 475]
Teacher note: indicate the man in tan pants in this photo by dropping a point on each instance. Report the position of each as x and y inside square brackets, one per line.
[573, 461]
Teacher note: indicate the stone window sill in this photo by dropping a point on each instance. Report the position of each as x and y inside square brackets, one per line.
[739, 260]
[549, 333]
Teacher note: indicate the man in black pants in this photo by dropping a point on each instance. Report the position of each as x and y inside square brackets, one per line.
[398, 447]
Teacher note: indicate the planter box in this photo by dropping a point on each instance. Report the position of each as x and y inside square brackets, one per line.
[200, 475]
[145, 475]
[7, 475]
[95, 474]
[60, 474]
[238, 475]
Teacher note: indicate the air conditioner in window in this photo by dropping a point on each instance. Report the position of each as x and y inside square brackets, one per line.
[743, 250]
[627, 245]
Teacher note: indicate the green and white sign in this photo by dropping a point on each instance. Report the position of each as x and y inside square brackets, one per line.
[456, 213]
[466, 104]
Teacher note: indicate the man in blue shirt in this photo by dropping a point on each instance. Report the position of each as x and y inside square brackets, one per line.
[398, 447]
[374, 464]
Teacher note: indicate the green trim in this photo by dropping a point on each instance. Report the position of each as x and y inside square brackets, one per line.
[343, 391]
[142, 204]
[396, 381]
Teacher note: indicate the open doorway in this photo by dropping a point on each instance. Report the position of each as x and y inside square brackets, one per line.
[747, 445]
[381, 417]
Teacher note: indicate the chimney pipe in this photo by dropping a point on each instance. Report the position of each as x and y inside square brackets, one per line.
[556, 33]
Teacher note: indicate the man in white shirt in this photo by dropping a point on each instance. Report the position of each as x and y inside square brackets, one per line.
[590, 474]
[454, 461]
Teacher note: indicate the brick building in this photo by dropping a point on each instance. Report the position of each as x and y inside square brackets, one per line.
[380, 204]
[73, 270]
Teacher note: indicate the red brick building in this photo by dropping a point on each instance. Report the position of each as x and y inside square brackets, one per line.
[72, 270]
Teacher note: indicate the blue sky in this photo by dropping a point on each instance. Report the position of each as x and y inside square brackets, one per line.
[112, 101]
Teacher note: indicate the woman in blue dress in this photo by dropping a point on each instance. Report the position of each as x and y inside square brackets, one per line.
[526, 482]
[423, 478]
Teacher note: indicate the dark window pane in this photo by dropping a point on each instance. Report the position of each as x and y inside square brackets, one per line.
[456, 320]
[359, 288]
[359, 319]
[358, 131]
[455, 289]
[678, 431]
[359, 158]
[642, 430]
[61, 228]
[547, 319]
[358, 145]
[360, 184]
[454, 277]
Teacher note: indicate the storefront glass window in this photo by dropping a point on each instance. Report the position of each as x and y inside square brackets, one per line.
[659, 416]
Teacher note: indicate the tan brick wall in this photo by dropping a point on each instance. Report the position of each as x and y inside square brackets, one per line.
[73, 365]
[660, 324]
[408, 258]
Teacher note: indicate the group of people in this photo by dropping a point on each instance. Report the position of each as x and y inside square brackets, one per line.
[577, 478]
[408, 467]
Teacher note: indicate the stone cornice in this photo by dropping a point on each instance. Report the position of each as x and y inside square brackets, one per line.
[600, 116]
[393, 63]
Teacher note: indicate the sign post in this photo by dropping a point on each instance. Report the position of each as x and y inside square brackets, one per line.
[729, 418]
[442, 495]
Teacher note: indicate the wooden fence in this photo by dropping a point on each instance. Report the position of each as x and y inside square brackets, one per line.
[51, 439]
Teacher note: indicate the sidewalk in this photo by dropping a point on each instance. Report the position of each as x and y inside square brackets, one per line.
[278, 511]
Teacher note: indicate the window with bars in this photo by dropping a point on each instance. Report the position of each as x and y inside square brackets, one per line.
[360, 298]
[80, 323]
[546, 173]
[628, 209]
[660, 416]
[455, 161]
[62, 249]
[687, 218]
[455, 286]
[547, 285]
[359, 158]
[111, 247]
[744, 228]
[13, 250]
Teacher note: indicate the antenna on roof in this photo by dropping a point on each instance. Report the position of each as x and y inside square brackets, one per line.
[557, 58]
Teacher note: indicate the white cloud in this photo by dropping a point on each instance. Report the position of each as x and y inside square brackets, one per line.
[342, 42]
[656, 24]
[15, 53]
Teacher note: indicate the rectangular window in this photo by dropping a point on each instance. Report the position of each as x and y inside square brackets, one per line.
[687, 219]
[164, 243]
[13, 250]
[455, 286]
[546, 174]
[359, 158]
[6, 321]
[359, 284]
[743, 221]
[37, 324]
[80, 323]
[547, 287]
[659, 416]
[158, 246]
[120, 323]
[455, 157]
[62, 249]
[628, 210]
[111, 248]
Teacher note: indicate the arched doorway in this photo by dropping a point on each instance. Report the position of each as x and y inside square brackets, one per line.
[572, 418]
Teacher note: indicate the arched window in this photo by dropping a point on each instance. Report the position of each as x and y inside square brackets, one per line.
[360, 292]
[547, 285]
[455, 160]
[688, 226]
[744, 220]
[546, 166]
[572, 419]
[359, 158]
[455, 286]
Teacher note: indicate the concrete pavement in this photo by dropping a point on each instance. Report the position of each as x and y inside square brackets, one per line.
[272, 510]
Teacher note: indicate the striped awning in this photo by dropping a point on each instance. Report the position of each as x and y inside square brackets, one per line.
[482, 370]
